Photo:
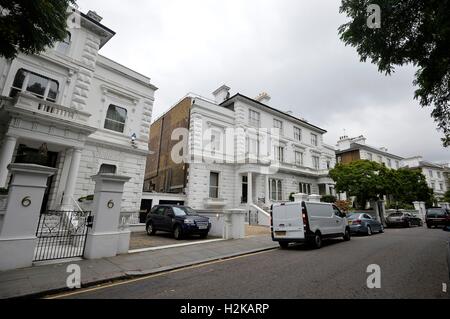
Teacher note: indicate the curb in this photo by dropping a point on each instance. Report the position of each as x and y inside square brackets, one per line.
[128, 275]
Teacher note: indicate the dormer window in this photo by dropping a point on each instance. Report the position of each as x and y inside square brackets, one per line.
[116, 118]
[40, 86]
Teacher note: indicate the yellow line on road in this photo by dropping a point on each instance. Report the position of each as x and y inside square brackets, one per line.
[83, 291]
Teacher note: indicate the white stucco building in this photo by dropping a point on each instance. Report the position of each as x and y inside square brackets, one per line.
[242, 152]
[83, 111]
[436, 174]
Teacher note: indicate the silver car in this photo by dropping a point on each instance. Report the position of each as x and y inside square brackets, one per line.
[363, 223]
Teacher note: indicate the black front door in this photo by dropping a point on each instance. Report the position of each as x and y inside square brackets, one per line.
[39, 157]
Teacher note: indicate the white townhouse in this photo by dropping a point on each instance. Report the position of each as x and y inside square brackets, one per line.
[351, 149]
[242, 152]
[436, 174]
[78, 111]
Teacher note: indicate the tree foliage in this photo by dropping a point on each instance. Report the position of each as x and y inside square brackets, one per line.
[29, 26]
[369, 180]
[413, 32]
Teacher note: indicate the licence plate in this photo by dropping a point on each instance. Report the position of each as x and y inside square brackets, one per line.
[350, 223]
[280, 233]
[202, 227]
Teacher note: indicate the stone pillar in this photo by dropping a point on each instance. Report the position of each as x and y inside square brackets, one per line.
[374, 205]
[423, 210]
[267, 190]
[250, 189]
[103, 240]
[20, 221]
[382, 209]
[234, 226]
[71, 182]
[300, 197]
[314, 198]
[6, 154]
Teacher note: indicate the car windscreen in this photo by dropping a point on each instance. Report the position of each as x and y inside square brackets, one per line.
[436, 212]
[353, 216]
[183, 211]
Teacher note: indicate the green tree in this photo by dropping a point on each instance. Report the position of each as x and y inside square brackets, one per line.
[409, 186]
[29, 26]
[413, 32]
[364, 179]
[447, 196]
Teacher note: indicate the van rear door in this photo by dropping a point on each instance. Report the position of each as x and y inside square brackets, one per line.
[287, 221]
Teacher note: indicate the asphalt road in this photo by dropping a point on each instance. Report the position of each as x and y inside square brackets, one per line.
[413, 265]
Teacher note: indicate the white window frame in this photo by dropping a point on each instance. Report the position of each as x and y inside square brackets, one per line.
[107, 119]
[278, 124]
[26, 81]
[314, 158]
[297, 134]
[254, 118]
[217, 188]
[298, 157]
[314, 139]
[278, 191]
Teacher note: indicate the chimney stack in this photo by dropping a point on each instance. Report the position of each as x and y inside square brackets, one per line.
[221, 94]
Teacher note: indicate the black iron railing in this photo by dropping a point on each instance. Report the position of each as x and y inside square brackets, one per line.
[62, 234]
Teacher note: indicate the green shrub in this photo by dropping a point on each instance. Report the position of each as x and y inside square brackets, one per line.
[86, 198]
[328, 199]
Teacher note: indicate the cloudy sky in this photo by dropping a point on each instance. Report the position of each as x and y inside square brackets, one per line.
[288, 48]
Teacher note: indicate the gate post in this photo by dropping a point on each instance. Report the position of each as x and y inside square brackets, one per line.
[19, 223]
[103, 240]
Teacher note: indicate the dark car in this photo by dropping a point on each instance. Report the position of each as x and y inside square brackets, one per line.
[179, 220]
[437, 217]
[400, 219]
[362, 223]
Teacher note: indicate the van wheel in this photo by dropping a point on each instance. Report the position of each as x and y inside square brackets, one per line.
[150, 230]
[347, 235]
[317, 241]
[283, 244]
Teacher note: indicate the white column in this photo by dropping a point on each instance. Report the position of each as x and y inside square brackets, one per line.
[71, 182]
[6, 155]
[250, 188]
[267, 190]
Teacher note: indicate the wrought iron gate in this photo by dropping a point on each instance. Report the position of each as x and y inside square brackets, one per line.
[62, 234]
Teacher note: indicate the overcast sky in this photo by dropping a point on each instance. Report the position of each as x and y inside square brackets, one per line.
[288, 48]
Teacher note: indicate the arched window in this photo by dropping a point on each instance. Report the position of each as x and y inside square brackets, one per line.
[40, 86]
[115, 118]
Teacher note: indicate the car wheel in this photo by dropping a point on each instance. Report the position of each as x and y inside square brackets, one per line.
[347, 235]
[150, 230]
[369, 231]
[381, 229]
[317, 241]
[283, 244]
[177, 233]
[408, 224]
[429, 226]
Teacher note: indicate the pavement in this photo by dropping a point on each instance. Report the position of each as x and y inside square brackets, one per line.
[51, 278]
[413, 264]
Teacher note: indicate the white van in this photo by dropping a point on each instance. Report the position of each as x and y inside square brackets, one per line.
[308, 222]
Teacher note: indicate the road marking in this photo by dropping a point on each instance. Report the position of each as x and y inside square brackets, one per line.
[174, 246]
[82, 291]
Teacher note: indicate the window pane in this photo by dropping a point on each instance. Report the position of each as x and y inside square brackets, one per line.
[107, 169]
[115, 118]
[18, 83]
[53, 91]
[37, 85]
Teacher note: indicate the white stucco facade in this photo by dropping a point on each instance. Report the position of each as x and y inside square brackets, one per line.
[87, 109]
[251, 172]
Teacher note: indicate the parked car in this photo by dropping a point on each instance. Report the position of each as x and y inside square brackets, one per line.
[179, 220]
[400, 219]
[362, 223]
[437, 217]
[307, 222]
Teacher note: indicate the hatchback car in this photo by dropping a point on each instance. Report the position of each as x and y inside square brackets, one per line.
[437, 217]
[362, 223]
[179, 220]
[401, 219]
